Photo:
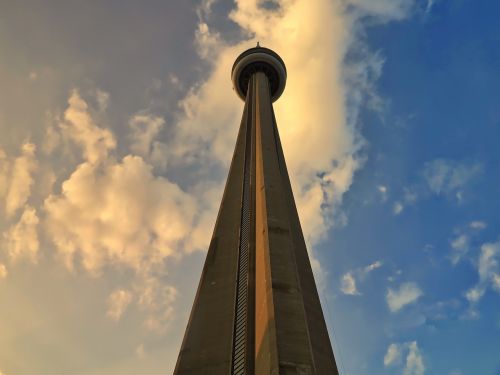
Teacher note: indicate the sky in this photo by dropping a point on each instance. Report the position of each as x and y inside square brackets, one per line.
[117, 124]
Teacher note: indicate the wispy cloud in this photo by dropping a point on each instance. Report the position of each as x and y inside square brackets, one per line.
[397, 208]
[349, 280]
[3, 271]
[414, 361]
[383, 191]
[478, 224]
[407, 293]
[16, 178]
[440, 177]
[430, 4]
[461, 242]
[118, 302]
[460, 246]
[393, 355]
[488, 271]
[445, 176]
[21, 239]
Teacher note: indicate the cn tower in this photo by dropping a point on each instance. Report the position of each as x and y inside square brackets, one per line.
[257, 309]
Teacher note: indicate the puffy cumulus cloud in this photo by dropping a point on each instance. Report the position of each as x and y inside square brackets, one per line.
[3, 271]
[489, 272]
[406, 294]
[111, 211]
[118, 212]
[115, 212]
[414, 362]
[118, 302]
[349, 280]
[16, 177]
[80, 127]
[21, 239]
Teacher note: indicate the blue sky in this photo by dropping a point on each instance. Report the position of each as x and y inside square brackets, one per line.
[118, 122]
[440, 84]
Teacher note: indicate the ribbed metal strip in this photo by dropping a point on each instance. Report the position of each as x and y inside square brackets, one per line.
[241, 308]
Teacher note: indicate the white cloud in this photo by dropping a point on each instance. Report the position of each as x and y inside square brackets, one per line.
[102, 98]
[348, 285]
[372, 266]
[460, 246]
[414, 361]
[118, 302]
[488, 270]
[79, 126]
[393, 355]
[461, 242]
[406, 294]
[383, 192]
[397, 208]
[145, 129]
[118, 212]
[156, 300]
[140, 352]
[496, 282]
[349, 280]
[3, 271]
[21, 239]
[16, 177]
[384, 9]
[115, 211]
[474, 294]
[479, 225]
[445, 176]
[430, 4]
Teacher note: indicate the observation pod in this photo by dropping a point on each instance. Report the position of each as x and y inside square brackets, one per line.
[259, 59]
[257, 309]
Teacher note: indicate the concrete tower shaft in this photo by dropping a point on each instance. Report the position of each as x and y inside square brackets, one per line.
[257, 309]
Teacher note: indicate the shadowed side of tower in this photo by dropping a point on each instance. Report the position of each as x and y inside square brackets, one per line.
[257, 309]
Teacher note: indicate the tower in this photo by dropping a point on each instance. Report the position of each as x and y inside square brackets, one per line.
[257, 309]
